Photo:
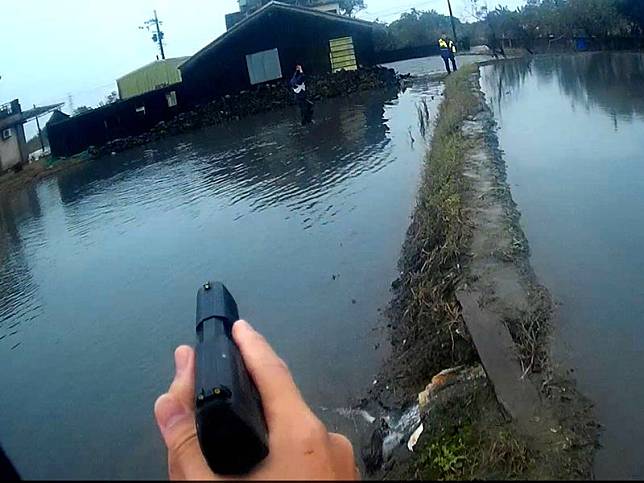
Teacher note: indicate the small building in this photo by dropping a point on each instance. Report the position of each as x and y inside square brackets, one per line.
[56, 117]
[267, 44]
[151, 77]
[13, 146]
[121, 119]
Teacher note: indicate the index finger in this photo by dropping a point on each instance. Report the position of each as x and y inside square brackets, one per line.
[280, 396]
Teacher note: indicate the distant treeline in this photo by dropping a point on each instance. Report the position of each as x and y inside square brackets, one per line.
[538, 19]
[33, 144]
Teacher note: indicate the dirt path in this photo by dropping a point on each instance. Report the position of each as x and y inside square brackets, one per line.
[495, 290]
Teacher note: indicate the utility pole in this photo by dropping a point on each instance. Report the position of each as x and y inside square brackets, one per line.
[70, 102]
[451, 16]
[42, 144]
[157, 35]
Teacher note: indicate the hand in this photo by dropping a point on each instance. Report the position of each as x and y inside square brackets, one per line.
[300, 446]
[299, 69]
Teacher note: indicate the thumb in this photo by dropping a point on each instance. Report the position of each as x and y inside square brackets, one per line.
[175, 417]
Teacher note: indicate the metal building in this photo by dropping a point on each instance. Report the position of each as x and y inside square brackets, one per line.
[266, 46]
[151, 77]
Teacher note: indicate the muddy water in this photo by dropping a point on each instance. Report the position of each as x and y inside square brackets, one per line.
[100, 266]
[572, 128]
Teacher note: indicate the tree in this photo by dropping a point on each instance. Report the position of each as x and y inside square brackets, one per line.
[33, 144]
[414, 28]
[559, 19]
[350, 7]
[537, 19]
[111, 98]
[597, 18]
[633, 10]
[81, 110]
[491, 22]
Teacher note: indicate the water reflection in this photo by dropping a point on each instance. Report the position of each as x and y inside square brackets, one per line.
[18, 291]
[610, 81]
[572, 131]
[606, 80]
[269, 160]
[261, 162]
[504, 81]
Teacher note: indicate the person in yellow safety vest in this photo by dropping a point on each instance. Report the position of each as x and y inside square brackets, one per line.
[448, 52]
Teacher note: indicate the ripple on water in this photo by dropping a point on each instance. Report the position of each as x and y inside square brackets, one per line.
[19, 303]
[277, 165]
[256, 170]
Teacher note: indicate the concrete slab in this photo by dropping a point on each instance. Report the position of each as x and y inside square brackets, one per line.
[496, 349]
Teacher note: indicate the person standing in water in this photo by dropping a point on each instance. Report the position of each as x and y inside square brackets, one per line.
[298, 84]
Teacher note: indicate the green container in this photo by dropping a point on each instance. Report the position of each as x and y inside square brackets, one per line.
[158, 74]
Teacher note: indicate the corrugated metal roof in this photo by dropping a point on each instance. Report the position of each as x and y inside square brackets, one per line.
[174, 62]
[150, 77]
[265, 10]
[39, 111]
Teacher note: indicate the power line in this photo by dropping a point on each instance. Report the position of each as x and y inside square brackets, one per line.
[65, 97]
[398, 10]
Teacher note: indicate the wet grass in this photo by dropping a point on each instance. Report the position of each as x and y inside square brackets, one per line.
[467, 437]
[476, 454]
[429, 329]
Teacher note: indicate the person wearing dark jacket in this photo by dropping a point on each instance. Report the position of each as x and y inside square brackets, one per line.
[298, 84]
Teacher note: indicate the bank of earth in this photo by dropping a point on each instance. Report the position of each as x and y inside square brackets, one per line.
[38, 170]
[468, 301]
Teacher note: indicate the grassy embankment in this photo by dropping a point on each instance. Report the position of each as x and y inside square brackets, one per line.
[467, 435]
[425, 306]
[38, 170]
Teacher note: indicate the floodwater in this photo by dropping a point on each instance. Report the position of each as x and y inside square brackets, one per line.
[572, 128]
[434, 64]
[100, 267]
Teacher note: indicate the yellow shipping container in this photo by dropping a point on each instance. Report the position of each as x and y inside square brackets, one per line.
[156, 75]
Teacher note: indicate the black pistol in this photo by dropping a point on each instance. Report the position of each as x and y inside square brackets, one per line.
[230, 419]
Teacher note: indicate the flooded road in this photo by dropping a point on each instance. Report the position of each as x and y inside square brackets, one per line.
[100, 266]
[572, 128]
[433, 65]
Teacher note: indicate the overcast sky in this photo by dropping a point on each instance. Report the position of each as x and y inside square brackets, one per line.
[55, 48]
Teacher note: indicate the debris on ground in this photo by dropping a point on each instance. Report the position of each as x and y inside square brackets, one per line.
[414, 437]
